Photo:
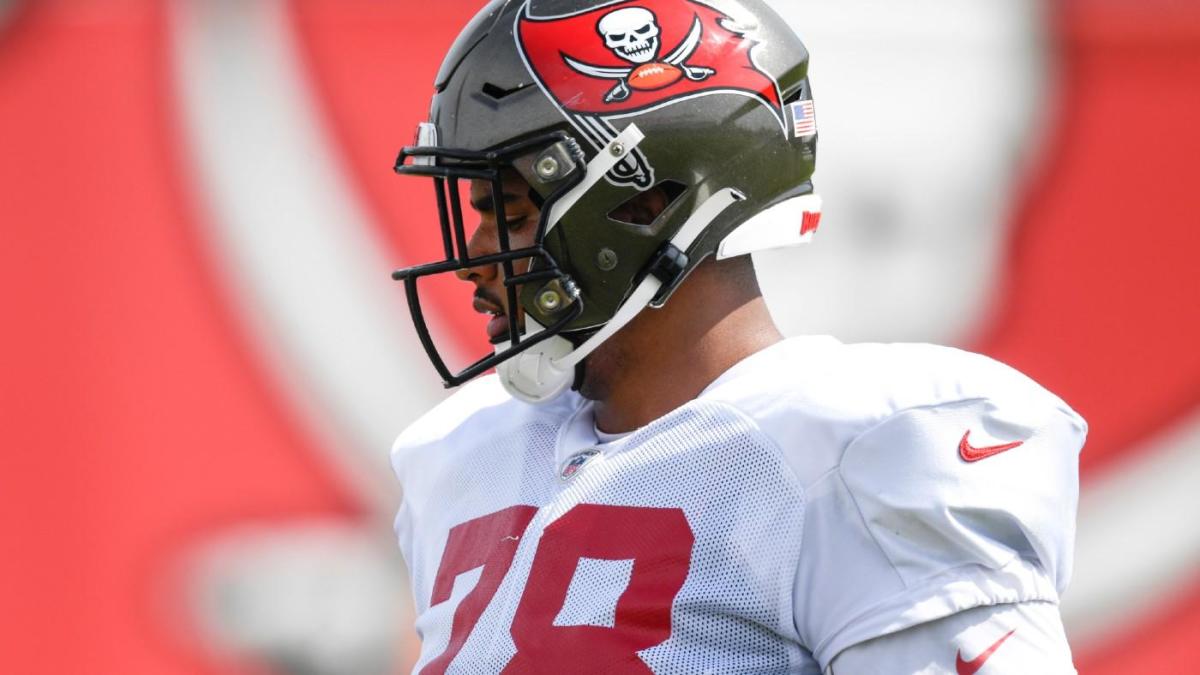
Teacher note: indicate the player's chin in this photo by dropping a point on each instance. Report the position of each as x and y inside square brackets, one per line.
[504, 336]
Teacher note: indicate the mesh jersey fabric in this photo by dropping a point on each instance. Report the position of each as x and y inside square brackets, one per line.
[810, 499]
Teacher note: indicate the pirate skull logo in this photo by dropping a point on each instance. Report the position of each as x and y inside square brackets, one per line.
[634, 35]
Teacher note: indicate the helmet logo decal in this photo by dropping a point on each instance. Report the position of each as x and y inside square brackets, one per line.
[630, 57]
[632, 33]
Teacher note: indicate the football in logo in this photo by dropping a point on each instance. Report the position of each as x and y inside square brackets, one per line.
[654, 76]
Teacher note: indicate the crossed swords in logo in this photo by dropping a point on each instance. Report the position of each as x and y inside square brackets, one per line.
[676, 58]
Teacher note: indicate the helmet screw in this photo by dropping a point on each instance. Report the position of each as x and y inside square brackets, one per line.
[549, 301]
[547, 167]
[607, 259]
[617, 149]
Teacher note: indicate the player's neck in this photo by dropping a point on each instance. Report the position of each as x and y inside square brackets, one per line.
[673, 354]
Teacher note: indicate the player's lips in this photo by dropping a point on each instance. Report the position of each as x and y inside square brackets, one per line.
[497, 328]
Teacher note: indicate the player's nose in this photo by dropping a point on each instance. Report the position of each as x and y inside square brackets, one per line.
[478, 247]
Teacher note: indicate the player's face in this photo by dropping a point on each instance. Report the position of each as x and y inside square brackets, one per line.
[521, 216]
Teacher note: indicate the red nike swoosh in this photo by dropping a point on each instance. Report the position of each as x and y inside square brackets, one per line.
[970, 453]
[971, 667]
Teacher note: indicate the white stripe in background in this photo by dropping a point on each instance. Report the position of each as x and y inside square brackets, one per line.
[301, 262]
[1139, 539]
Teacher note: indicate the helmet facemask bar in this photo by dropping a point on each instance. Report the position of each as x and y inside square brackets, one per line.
[447, 167]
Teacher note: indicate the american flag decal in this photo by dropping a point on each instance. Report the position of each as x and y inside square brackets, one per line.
[805, 117]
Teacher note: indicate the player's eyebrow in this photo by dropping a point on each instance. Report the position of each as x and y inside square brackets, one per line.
[483, 203]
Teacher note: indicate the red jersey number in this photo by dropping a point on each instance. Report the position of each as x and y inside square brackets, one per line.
[659, 541]
[491, 542]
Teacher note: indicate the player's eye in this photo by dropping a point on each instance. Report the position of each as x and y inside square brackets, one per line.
[517, 223]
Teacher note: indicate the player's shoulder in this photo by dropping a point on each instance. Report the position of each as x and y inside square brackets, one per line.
[815, 396]
[935, 480]
[478, 411]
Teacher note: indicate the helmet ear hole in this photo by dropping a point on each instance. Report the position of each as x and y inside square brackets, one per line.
[646, 206]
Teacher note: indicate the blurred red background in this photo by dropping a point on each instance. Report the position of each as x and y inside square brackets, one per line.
[139, 418]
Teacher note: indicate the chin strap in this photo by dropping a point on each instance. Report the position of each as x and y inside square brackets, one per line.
[545, 371]
[532, 375]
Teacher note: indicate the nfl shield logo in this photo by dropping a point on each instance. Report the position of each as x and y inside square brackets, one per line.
[576, 462]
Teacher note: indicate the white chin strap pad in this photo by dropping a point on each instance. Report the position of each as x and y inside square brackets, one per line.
[532, 376]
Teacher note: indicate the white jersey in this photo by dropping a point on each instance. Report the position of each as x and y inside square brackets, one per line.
[815, 497]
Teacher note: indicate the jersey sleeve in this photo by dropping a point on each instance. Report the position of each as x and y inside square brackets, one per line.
[1014, 639]
[937, 510]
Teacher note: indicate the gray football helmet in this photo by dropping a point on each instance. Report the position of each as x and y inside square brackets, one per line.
[593, 103]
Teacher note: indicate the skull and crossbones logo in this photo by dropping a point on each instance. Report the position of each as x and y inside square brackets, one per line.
[633, 34]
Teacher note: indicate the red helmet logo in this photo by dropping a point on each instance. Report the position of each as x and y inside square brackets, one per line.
[629, 57]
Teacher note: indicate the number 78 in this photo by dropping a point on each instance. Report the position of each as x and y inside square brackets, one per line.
[659, 541]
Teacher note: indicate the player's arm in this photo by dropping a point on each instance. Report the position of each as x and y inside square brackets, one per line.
[993, 640]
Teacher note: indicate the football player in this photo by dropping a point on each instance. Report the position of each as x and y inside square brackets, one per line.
[654, 480]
